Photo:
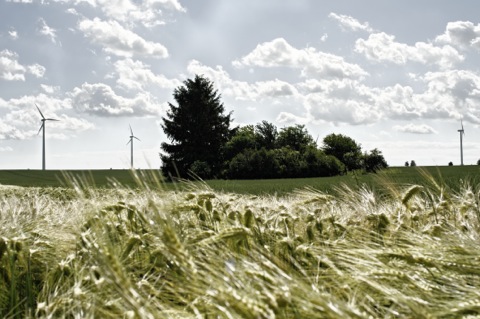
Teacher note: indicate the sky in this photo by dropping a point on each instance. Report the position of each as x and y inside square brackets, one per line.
[399, 76]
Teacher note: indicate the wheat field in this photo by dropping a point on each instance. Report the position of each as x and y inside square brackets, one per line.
[147, 252]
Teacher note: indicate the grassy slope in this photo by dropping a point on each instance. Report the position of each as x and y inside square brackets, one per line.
[104, 178]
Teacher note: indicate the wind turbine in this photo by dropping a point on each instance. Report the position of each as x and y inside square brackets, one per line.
[131, 145]
[462, 133]
[43, 141]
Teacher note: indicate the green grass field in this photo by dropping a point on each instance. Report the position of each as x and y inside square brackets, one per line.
[112, 178]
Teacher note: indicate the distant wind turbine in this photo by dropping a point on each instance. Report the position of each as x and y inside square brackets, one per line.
[43, 128]
[131, 146]
[462, 133]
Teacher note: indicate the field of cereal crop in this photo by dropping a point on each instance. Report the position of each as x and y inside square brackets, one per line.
[196, 252]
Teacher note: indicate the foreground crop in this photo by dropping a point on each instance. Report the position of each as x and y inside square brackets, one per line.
[155, 254]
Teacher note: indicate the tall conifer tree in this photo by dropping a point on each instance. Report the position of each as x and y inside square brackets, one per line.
[198, 130]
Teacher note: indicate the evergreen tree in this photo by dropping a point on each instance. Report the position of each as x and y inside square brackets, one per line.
[197, 129]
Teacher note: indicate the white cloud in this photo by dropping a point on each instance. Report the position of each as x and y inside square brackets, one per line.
[450, 94]
[136, 75]
[10, 132]
[415, 129]
[463, 34]
[37, 70]
[398, 102]
[22, 120]
[6, 149]
[275, 88]
[115, 39]
[350, 23]
[171, 4]
[241, 90]
[49, 88]
[279, 53]
[453, 94]
[223, 82]
[101, 100]
[13, 34]
[73, 124]
[72, 11]
[148, 12]
[341, 110]
[12, 70]
[47, 31]
[382, 47]
[340, 101]
[290, 119]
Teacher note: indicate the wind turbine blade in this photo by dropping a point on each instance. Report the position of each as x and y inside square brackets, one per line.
[131, 131]
[52, 120]
[43, 117]
[41, 128]
[129, 141]
[136, 138]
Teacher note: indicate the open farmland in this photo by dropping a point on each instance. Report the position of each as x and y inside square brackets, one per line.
[153, 253]
[451, 175]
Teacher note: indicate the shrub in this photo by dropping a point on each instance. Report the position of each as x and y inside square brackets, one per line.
[201, 169]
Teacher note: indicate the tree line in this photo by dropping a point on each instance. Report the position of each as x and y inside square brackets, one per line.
[203, 144]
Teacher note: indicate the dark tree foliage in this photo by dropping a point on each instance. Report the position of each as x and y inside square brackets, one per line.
[282, 163]
[261, 152]
[320, 164]
[345, 149]
[243, 138]
[374, 161]
[413, 164]
[252, 164]
[266, 135]
[197, 129]
[295, 137]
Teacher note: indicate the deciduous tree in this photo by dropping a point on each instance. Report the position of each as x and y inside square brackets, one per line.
[345, 149]
[374, 161]
[295, 137]
[266, 134]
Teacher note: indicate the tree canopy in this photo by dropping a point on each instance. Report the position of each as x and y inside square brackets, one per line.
[261, 151]
[374, 161]
[345, 149]
[296, 137]
[197, 129]
[201, 143]
[266, 135]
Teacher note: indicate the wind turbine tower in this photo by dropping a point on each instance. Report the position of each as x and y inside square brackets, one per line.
[43, 140]
[462, 133]
[131, 146]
